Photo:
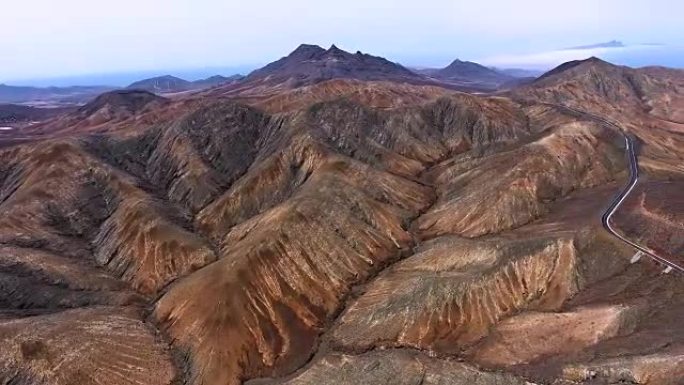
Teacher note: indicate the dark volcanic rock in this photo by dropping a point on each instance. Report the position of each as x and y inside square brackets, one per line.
[310, 64]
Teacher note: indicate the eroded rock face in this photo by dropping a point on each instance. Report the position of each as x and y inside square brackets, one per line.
[508, 189]
[447, 297]
[283, 273]
[70, 203]
[38, 279]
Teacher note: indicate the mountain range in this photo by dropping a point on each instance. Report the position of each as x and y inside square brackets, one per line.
[307, 65]
[335, 218]
[78, 95]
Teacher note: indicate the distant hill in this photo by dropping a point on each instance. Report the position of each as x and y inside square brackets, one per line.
[217, 80]
[581, 66]
[603, 88]
[121, 103]
[50, 95]
[469, 74]
[162, 84]
[519, 72]
[170, 84]
[311, 64]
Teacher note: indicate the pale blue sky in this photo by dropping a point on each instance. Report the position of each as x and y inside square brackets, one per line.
[50, 38]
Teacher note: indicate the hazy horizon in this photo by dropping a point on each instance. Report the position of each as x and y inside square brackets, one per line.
[81, 42]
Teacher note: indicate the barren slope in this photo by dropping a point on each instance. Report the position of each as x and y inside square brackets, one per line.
[347, 232]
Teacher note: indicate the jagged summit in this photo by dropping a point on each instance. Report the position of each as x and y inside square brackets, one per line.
[334, 50]
[310, 64]
[307, 50]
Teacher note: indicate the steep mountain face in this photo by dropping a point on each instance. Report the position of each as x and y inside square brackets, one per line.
[343, 232]
[310, 64]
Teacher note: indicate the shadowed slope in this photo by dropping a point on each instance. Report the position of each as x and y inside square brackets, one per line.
[61, 199]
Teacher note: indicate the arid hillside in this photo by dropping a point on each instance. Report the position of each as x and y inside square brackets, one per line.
[345, 231]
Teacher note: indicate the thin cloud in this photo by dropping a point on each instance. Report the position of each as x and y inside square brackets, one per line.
[550, 59]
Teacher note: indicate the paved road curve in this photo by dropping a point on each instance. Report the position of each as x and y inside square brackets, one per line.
[622, 196]
[634, 178]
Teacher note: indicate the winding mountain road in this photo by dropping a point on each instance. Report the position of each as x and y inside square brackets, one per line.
[622, 196]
